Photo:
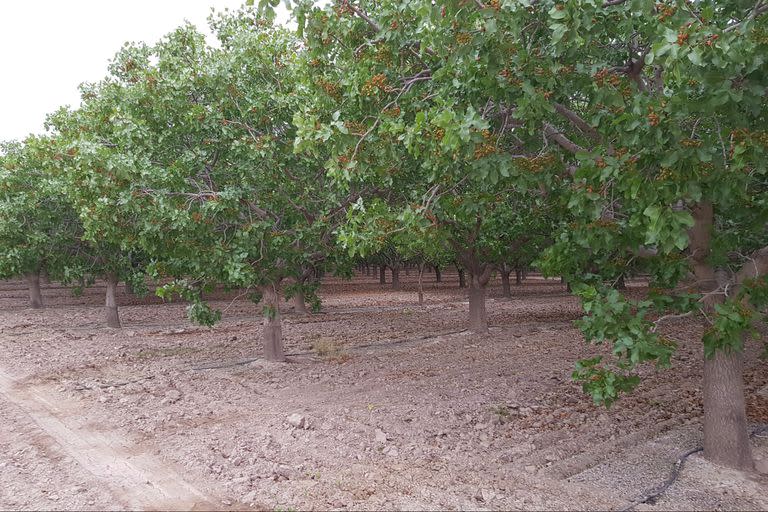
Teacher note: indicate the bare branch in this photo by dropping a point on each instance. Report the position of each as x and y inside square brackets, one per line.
[564, 142]
[756, 266]
[578, 122]
[669, 317]
[759, 9]
[375, 26]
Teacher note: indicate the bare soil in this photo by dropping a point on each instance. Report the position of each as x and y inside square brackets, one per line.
[383, 404]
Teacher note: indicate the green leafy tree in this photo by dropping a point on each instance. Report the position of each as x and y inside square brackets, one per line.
[394, 238]
[82, 177]
[654, 113]
[186, 152]
[674, 182]
[526, 227]
[406, 101]
[38, 228]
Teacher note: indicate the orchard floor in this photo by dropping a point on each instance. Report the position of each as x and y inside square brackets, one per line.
[399, 407]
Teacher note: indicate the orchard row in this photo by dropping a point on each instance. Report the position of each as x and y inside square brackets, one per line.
[592, 140]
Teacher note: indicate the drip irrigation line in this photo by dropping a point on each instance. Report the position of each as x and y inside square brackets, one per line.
[113, 385]
[216, 366]
[654, 494]
[241, 362]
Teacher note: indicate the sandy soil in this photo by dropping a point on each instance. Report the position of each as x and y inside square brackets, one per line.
[382, 405]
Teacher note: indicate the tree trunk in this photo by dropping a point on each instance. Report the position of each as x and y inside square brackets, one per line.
[395, 278]
[273, 328]
[518, 277]
[505, 289]
[462, 279]
[407, 270]
[299, 305]
[367, 269]
[620, 283]
[35, 296]
[421, 285]
[113, 317]
[725, 418]
[382, 274]
[478, 319]
[438, 275]
[726, 441]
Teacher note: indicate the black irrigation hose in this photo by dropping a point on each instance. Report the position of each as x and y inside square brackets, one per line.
[653, 495]
[656, 492]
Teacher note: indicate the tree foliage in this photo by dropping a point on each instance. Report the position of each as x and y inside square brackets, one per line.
[616, 137]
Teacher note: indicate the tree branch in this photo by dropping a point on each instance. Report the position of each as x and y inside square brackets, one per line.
[564, 142]
[756, 266]
[375, 26]
[578, 122]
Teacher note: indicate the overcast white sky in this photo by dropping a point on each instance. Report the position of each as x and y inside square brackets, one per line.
[48, 47]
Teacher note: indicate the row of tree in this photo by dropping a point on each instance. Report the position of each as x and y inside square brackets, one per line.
[599, 139]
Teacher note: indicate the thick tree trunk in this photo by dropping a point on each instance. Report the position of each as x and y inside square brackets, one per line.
[518, 277]
[505, 289]
[725, 418]
[421, 285]
[382, 274]
[726, 441]
[462, 279]
[273, 328]
[113, 317]
[395, 278]
[35, 296]
[299, 304]
[478, 318]
[438, 275]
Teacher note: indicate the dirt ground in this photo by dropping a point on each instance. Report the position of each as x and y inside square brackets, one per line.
[382, 405]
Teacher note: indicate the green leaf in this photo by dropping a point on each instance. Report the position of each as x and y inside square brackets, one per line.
[695, 57]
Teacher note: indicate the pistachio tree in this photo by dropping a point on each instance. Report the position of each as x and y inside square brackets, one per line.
[673, 181]
[393, 237]
[653, 113]
[411, 97]
[185, 152]
[39, 231]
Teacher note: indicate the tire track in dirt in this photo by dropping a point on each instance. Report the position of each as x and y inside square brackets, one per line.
[138, 480]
